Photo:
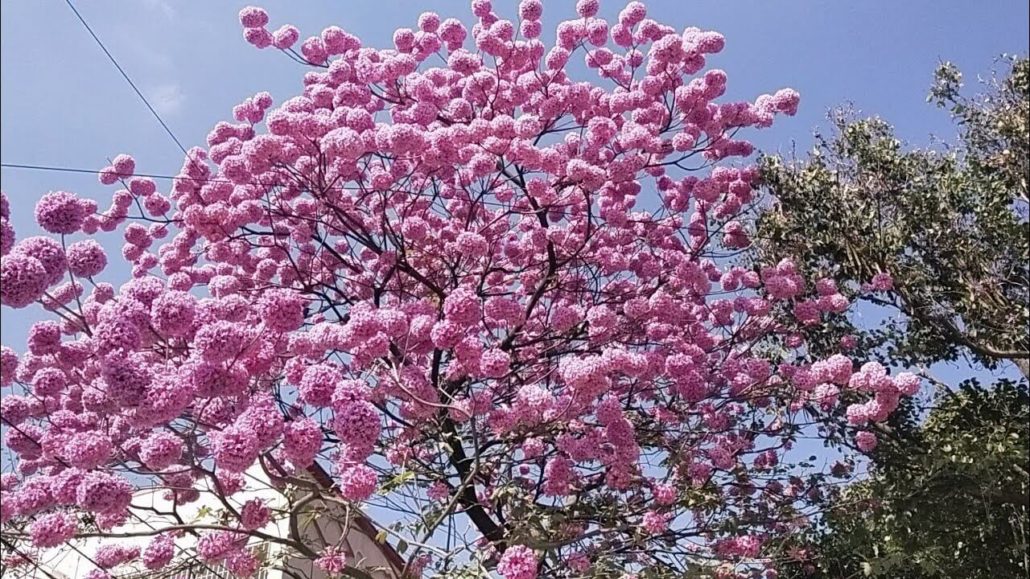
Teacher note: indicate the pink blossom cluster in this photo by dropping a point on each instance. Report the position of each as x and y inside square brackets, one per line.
[887, 393]
[62, 212]
[160, 450]
[655, 522]
[7, 234]
[110, 556]
[159, 552]
[254, 515]
[518, 562]
[217, 546]
[357, 482]
[52, 529]
[332, 560]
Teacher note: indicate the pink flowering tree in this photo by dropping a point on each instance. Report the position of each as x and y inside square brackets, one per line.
[493, 301]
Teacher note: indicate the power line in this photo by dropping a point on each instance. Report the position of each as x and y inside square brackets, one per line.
[52, 168]
[125, 76]
[94, 172]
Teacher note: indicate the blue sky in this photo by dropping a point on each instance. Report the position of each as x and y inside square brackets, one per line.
[63, 103]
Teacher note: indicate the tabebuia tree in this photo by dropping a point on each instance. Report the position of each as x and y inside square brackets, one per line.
[489, 299]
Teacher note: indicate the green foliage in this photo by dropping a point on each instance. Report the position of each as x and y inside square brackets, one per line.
[952, 505]
[950, 226]
[947, 490]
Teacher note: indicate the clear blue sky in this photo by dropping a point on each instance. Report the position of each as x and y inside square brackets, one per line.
[64, 104]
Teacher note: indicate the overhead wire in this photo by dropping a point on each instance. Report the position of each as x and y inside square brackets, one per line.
[125, 75]
[54, 168]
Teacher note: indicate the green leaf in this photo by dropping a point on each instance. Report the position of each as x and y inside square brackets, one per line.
[202, 513]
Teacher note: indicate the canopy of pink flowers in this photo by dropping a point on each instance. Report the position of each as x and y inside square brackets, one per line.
[449, 258]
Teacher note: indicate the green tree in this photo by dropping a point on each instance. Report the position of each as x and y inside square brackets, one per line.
[946, 493]
[948, 500]
[950, 226]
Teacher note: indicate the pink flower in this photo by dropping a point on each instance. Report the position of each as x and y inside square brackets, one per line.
[142, 186]
[124, 166]
[86, 258]
[587, 8]
[109, 556]
[665, 494]
[159, 552]
[332, 560]
[88, 450]
[285, 37]
[882, 282]
[404, 39]
[52, 530]
[452, 32]
[8, 366]
[282, 310]
[215, 546]
[531, 9]
[234, 449]
[438, 491]
[313, 50]
[161, 450]
[302, 439]
[857, 414]
[253, 17]
[60, 212]
[219, 341]
[558, 477]
[318, 384]
[428, 22]
[865, 440]
[481, 8]
[357, 482]
[173, 313]
[907, 383]
[45, 338]
[580, 562]
[494, 363]
[518, 562]
[472, 244]
[358, 426]
[254, 514]
[632, 14]
[103, 493]
[655, 522]
[23, 280]
[6, 236]
[462, 307]
[848, 343]
[242, 564]
[786, 101]
[258, 37]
